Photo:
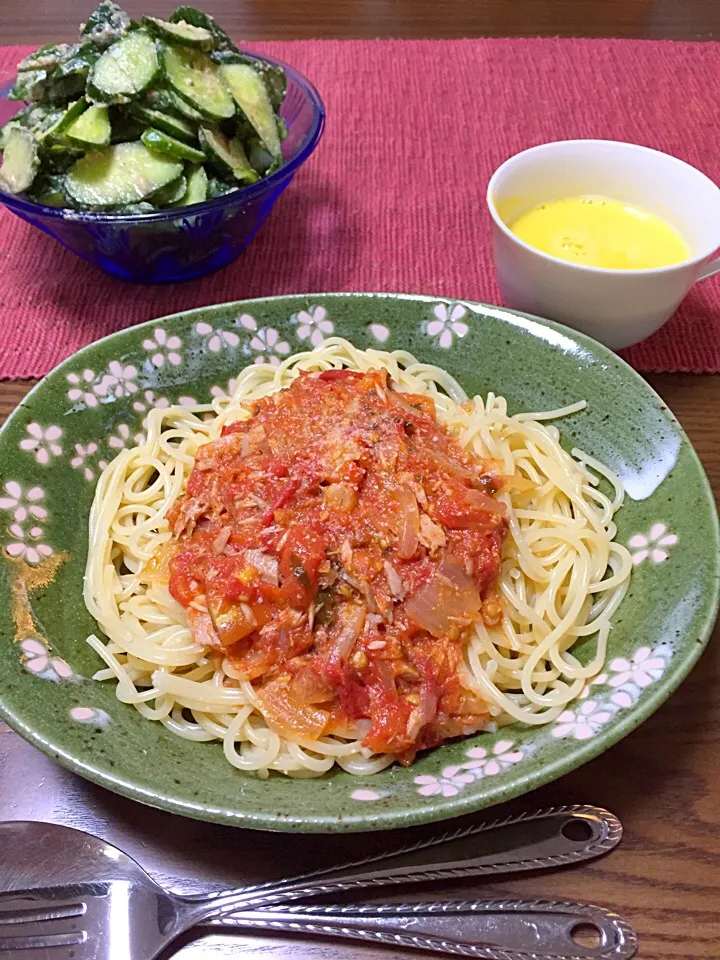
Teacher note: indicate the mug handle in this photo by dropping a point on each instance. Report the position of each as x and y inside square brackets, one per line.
[710, 268]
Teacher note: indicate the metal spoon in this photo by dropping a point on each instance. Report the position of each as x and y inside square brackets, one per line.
[489, 929]
[85, 892]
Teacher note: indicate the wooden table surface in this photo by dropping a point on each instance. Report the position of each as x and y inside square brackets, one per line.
[36, 21]
[663, 780]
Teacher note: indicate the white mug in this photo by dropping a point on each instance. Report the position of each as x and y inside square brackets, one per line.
[617, 307]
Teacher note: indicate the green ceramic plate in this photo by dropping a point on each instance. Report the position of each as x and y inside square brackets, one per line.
[92, 405]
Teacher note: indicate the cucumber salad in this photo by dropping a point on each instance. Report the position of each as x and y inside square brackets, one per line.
[137, 117]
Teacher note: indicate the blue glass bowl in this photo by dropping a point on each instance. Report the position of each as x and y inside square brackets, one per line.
[179, 244]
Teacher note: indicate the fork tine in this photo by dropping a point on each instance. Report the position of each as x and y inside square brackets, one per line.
[13, 945]
[18, 912]
[33, 923]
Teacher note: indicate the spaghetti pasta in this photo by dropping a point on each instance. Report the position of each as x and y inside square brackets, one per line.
[561, 579]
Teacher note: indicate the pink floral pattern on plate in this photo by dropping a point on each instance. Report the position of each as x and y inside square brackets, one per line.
[268, 346]
[25, 529]
[481, 763]
[38, 661]
[447, 325]
[42, 442]
[312, 324]
[652, 546]
[163, 349]
[216, 338]
[624, 680]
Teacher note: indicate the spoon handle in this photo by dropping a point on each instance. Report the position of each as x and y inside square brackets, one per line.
[534, 841]
[489, 929]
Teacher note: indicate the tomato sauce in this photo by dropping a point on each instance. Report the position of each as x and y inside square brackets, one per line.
[335, 546]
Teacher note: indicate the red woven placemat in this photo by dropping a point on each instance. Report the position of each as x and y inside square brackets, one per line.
[393, 199]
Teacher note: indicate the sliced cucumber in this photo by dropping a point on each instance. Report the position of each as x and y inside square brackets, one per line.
[41, 127]
[36, 115]
[124, 126]
[198, 81]
[250, 93]
[65, 120]
[58, 157]
[157, 98]
[65, 88]
[48, 57]
[130, 209]
[50, 190]
[181, 106]
[29, 85]
[197, 186]
[139, 116]
[275, 165]
[170, 194]
[91, 129]
[275, 80]
[228, 55]
[7, 129]
[218, 188]
[227, 155]
[180, 32]
[78, 65]
[272, 74]
[120, 174]
[54, 72]
[258, 156]
[106, 24]
[205, 22]
[38, 118]
[162, 143]
[20, 161]
[125, 69]
[167, 122]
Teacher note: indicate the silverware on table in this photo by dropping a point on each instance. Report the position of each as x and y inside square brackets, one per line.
[541, 840]
[485, 929]
[489, 929]
[74, 895]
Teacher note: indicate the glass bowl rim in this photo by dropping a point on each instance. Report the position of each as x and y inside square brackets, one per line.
[24, 206]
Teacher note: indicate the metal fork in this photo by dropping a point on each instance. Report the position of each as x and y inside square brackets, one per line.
[82, 898]
[83, 928]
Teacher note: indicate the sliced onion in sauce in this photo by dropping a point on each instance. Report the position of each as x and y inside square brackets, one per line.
[394, 581]
[449, 599]
[371, 621]
[356, 730]
[266, 565]
[387, 676]
[516, 482]
[452, 466]
[423, 713]
[363, 588]
[427, 708]
[484, 502]
[233, 623]
[286, 718]
[203, 629]
[157, 567]
[408, 522]
[250, 663]
[221, 540]
[309, 686]
[352, 619]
